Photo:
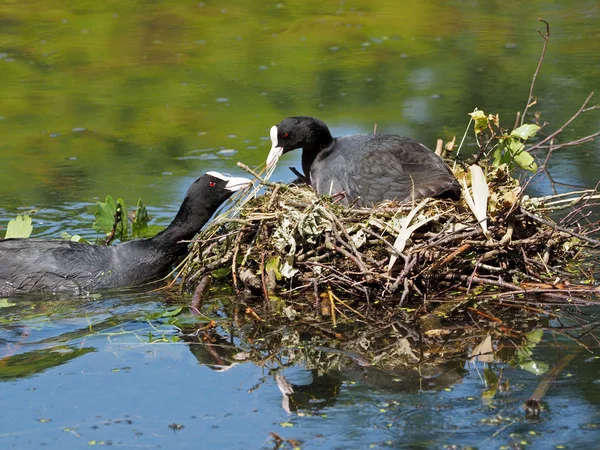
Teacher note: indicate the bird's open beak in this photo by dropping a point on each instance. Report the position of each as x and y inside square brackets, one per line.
[233, 183]
[276, 151]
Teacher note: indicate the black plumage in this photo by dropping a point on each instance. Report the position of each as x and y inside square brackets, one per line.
[368, 168]
[38, 265]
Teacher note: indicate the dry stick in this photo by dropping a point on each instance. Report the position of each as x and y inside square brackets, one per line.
[236, 249]
[332, 305]
[439, 263]
[409, 264]
[384, 240]
[316, 294]
[583, 140]
[340, 275]
[262, 279]
[546, 37]
[485, 281]
[594, 242]
[562, 128]
[117, 219]
[213, 265]
[565, 220]
[346, 305]
[358, 260]
[351, 257]
[532, 404]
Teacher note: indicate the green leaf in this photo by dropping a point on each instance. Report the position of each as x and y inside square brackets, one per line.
[274, 263]
[480, 119]
[525, 131]
[4, 303]
[105, 215]
[75, 238]
[497, 156]
[19, 227]
[514, 146]
[172, 312]
[534, 337]
[537, 368]
[525, 160]
[490, 377]
[139, 226]
[220, 274]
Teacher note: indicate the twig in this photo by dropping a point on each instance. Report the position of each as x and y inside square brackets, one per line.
[532, 404]
[546, 37]
[562, 128]
[262, 279]
[116, 221]
[594, 242]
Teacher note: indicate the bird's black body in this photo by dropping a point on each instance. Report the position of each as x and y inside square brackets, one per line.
[368, 168]
[37, 265]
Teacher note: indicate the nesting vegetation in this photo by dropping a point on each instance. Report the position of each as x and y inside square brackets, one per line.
[409, 284]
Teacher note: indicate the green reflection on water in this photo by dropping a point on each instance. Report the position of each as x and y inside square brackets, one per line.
[162, 87]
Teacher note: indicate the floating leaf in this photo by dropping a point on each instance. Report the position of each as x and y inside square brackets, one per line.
[172, 312]
[75, 238]
[525, 131]
[537, 368]
[19, 227]
[4, 303]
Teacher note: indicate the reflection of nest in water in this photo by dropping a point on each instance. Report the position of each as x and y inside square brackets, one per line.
[393, 355]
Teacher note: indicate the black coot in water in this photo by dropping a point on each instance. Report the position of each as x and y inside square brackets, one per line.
[37, 265]
[368, 168]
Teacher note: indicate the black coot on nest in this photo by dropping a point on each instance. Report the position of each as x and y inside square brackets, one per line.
[367, 168]
[37, 265]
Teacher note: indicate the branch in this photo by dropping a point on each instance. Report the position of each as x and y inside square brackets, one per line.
[546, 37]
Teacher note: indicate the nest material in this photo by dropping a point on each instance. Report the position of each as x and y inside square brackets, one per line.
[291, 240]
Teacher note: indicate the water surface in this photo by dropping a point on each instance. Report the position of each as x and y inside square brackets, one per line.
[137, 99]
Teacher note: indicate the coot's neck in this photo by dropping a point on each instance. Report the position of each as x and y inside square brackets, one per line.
[318, 138]
[188, 221]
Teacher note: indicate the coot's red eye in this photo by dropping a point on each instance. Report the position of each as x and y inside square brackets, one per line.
[285, 135]
[212, 184]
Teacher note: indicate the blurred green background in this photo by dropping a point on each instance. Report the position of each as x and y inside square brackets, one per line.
[138, 98]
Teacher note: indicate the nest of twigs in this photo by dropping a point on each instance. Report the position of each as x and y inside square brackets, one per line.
[291, 241]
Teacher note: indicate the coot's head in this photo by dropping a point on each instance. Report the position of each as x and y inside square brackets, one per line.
[216, 187]
[202, 199]
[207, 193]
[304, 132]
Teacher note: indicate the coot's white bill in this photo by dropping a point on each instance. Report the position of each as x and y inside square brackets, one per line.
[233, 183]
[276, 151]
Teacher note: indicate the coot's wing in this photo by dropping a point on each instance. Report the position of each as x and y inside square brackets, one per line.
[390, 167]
